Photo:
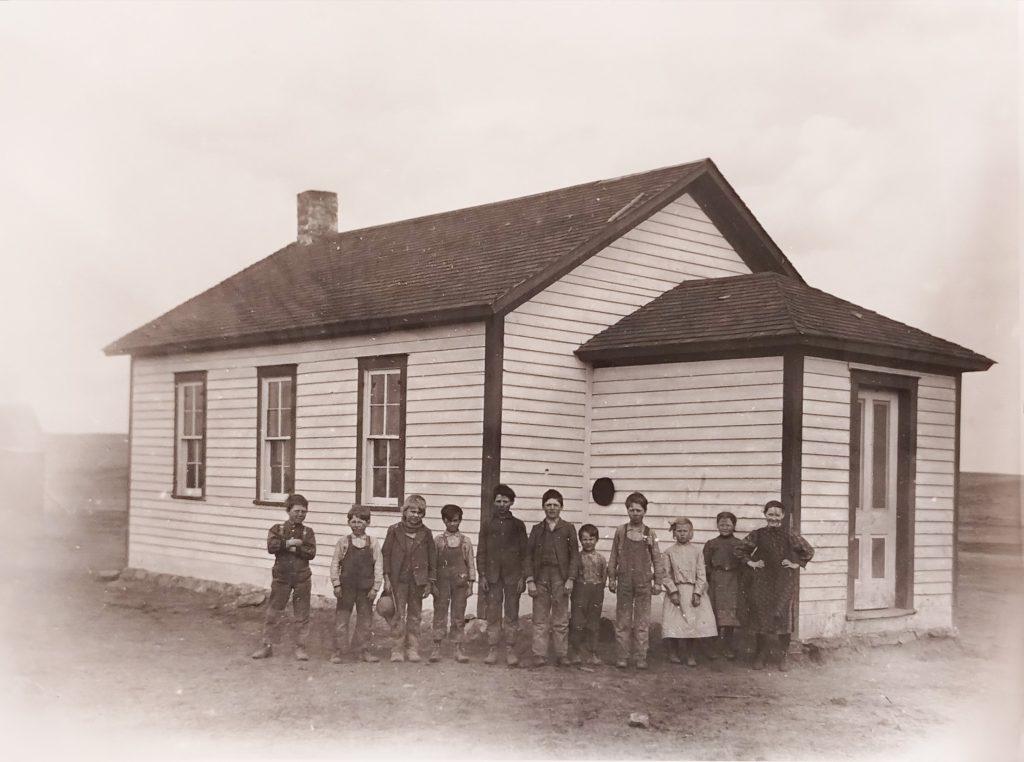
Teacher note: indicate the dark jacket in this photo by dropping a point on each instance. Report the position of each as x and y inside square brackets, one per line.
[291, 565]
[418, 554]
[566, 546]
[502, 551]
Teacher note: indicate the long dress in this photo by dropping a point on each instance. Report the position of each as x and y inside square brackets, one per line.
[684, 572]
[723, 571]
[771, 590]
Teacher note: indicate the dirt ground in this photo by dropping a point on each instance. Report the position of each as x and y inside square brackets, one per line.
[129, 669]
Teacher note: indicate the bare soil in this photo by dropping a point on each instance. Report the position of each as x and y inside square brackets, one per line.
[131, 669]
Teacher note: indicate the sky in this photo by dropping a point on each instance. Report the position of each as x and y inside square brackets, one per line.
[151, 150]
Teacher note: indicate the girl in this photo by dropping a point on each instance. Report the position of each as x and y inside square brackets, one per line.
[723, 568]
[687, 614]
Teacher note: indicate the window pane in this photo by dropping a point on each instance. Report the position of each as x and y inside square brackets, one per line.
[273, 394]
[392, 420]
[880, 456]
[376, 420]
[380, 482]
[394, 393]
[393, 476]
[276, 454]
[273, 423]
[380, 453]
[376, 389]
[285, 421]
[188, 398]
[878, 557]
[191, 476]
[200, 476]
[289, 479]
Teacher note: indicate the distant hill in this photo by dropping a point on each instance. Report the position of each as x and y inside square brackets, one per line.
[86, 472]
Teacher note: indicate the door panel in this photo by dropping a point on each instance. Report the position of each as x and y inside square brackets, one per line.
[873, 541]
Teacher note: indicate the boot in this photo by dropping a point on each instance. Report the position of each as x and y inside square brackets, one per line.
[396, 655]
[411, 654]
[492, 655]
[511, 659]
[300, 654]
[783, 651]
[460, 657]
[369, 658]
[263, 652]
[337, 658]
[672, 646]
[435, 653]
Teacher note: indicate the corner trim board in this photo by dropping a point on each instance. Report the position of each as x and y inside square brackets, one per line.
[490, 461]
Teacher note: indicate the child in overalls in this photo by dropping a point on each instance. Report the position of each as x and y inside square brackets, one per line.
[455, 577]
[357, 572]
[634, 575]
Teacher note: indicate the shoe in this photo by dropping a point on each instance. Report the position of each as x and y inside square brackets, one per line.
[540, 661]
[673, 657]
[264, 651]
[595, 661]
[369, 658]
[397, 656]
[622, 664]
[300, 654]
[460, 657]
[492, 655]
[435, 654]
[758, 662]
[412, 655]
[691, 662]
[575, 660]
[782, 664]
[511, 659]
[336, 658]
[565, 662]
[641, 663]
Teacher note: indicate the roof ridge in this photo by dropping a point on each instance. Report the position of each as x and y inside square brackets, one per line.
[797, 325]
[476, 207]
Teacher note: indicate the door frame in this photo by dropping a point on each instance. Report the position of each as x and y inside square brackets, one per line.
[905, 388]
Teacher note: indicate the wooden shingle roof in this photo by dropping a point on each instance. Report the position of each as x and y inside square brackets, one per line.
[444, 268]
[765, 312]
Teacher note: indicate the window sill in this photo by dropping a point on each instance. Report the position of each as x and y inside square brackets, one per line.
[379, 508]
[199, 498]
[854, 616]
[275, 503]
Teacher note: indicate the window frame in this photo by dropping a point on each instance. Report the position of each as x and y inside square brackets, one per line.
[368, 366]
[265, 375]
[179, 476]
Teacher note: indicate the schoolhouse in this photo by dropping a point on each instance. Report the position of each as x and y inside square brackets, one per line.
[640, 333]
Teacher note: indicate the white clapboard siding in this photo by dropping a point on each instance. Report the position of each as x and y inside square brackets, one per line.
[545, 388]
[223, 537]
[732, 462]
[933, 515]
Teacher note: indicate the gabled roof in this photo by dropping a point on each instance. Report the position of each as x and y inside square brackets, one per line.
[443, 268]
[764, 311]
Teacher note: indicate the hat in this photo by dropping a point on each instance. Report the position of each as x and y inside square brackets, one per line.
[386, 606]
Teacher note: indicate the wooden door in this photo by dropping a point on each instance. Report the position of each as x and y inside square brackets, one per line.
[873, 542]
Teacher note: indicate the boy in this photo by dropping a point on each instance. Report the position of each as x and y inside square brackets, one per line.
[551, 552]
[293, 546]
[455, 577]
[634, 574]
[587, 598]
[410, 572]
[500, 562]
[357, 572]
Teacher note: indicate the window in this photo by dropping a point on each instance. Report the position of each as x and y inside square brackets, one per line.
[380, 472]
[275, 469]
[189, 434]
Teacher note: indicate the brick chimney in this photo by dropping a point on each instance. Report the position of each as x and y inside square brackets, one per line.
[318, 215]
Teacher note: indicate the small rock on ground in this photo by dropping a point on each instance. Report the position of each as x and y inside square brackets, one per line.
[250, 599]
[108, 575]
[639, 720]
